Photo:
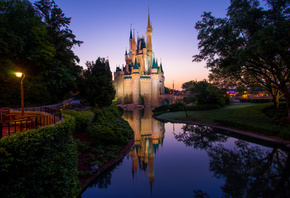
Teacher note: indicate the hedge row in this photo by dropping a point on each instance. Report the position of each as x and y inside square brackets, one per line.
[44, 162]
[259, 100]
[40, 163]
[109, 128]
[181, 107]
[106, 131]
[83, 119]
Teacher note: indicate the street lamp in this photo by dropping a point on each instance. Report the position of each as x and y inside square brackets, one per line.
[19, 75]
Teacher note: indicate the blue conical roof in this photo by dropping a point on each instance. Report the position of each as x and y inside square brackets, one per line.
[155, 65]
[131, 32]
[136, 64]
[161, 68]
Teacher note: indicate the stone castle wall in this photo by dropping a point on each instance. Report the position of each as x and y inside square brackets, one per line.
[145, 85]
[127, 89]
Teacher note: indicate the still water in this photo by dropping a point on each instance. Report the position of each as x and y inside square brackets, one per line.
[179, 160]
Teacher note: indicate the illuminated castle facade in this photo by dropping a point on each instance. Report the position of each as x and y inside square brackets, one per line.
[141, 80]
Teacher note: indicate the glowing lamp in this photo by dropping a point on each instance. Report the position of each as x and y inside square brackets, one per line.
[18, 74]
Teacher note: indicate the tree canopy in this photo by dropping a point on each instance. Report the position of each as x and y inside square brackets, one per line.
[203, 92]
[251, 44]
[35, 39]
[95, 84]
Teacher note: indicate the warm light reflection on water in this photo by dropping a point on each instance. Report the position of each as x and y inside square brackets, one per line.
[149, 135]
[179, 160]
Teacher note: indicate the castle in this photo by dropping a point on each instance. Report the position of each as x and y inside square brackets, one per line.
[141, 80]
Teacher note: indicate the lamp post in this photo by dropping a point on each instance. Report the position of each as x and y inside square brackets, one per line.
[19, 75]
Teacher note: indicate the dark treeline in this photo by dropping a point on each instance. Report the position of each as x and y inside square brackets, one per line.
[35, 39]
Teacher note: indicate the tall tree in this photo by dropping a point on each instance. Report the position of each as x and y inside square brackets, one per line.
[36, 40]
[252, 42]
[62, 71]
[95, 85]
[203, 92]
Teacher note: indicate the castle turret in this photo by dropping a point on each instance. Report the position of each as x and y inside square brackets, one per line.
[154, 69]
[131, 40]
[126, 57]
[162, 78]
[136, 83]
[133, 46]
[154, 84]
[149, 34]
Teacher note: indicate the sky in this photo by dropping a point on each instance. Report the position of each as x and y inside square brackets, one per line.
[104, 27]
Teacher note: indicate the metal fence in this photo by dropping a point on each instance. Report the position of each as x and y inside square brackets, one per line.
[54, 115]
[21, 125]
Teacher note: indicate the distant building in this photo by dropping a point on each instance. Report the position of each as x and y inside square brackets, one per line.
[141, 80]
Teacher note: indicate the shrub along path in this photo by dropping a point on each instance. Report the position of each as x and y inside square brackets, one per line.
[102, 138]
[257, 118]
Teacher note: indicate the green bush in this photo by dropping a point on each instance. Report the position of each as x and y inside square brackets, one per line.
[110, 128]
[162, 108]
[180, 107]
[121, 110]
[40, 163]
[44, 162]
[83, 119]
[82, 146]
[176, 107]
[128, 99]
[141, 100]
[106, 136]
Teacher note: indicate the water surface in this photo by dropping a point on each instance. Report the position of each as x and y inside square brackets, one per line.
[179, 160]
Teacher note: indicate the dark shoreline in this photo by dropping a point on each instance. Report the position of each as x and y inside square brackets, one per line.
[254, 137]
[124, 151]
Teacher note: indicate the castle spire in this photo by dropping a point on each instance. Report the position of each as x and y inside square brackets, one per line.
[149, 27]
[131, 31]
[148, 17]
[149, 37]
[161, 68]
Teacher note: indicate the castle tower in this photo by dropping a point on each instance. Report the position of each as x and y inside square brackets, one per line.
[131, 41]
[136, 84]
[134, 47]
[161, 78]
[154, 84]
[149, 40]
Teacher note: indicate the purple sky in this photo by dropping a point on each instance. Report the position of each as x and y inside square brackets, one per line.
[104, 27]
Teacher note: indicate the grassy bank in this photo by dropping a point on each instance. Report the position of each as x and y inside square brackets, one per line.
[259, 118]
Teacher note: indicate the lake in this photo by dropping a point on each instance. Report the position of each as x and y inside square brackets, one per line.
[183, 160]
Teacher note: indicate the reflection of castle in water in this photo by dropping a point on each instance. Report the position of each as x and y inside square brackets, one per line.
[149, 135]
